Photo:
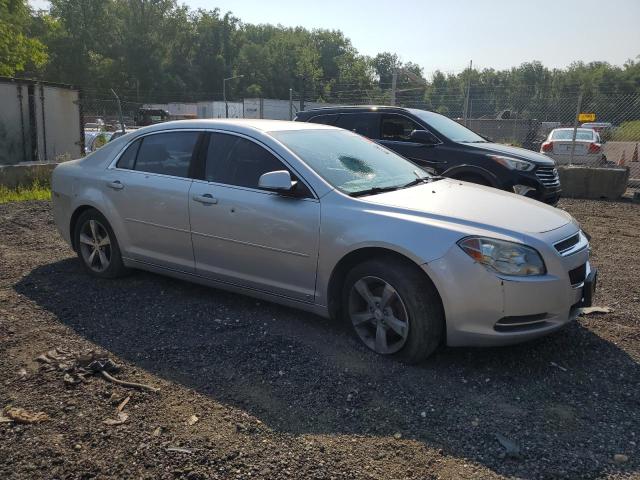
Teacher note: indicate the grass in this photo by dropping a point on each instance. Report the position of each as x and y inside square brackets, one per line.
[36, 191]
[627, 132]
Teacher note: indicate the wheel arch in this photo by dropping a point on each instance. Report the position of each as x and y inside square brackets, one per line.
[471, 171]
[355, 257]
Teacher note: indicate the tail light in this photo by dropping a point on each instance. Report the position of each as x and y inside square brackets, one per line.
[547, 147]
[595, 148]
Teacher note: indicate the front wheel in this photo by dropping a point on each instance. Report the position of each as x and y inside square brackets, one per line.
[394, 309]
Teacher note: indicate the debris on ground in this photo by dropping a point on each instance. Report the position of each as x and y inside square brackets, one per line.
[123, 404]
[620, 458]
[511, 448]
[179, 450]
[20, 415]
[122, 417]
[78, 366]
[192, 420]
[555, 365]
[591, 310]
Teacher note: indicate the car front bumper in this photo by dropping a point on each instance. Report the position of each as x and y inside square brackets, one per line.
[483, 308]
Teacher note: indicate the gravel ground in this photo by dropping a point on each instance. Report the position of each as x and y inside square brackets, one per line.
[283, 394]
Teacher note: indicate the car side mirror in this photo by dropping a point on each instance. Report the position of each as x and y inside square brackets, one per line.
[423, 136]
[278, 181]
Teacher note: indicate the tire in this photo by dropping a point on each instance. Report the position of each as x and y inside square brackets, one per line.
[412, 300]
[96, 242]
[477, 179]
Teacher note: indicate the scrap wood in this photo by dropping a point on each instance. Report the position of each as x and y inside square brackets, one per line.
[123, 404]
[20, 415]
[140, 386]
[590, 310]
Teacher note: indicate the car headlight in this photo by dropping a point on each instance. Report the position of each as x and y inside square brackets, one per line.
[513, 163]
[504, 257]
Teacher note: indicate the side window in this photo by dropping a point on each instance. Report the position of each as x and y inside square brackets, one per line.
[324, 119]
[397, 128]
[128, 158]
[234, 160]
[363, 123]
[167, 153]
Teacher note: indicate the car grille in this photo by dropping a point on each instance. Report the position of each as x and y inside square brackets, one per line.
[566, 244]
[548, 176]
[578, 275]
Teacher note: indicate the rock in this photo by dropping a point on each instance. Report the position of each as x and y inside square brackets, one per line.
[192, 420]
[423, 414]
[620, 458]
[397, 436]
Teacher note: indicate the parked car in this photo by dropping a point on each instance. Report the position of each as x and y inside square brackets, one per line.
[447, 148]
[588, 147]
[325, 220]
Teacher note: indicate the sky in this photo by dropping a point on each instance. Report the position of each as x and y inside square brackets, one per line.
[446, 35]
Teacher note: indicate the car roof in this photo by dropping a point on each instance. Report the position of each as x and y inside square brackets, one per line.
[237, 125]
[571, 128]
[352, 107]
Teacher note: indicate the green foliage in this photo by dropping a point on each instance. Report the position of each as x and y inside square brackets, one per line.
[36, 191]
[627, 132]
[18, 50]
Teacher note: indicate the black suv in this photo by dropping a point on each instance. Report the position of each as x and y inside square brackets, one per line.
[445, 147]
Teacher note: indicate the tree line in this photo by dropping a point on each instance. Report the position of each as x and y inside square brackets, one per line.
[160, 51]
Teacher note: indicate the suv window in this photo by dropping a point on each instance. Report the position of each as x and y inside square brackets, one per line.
[329, 119]
[167, 153]
[397, 128]
[234, 160]
[128, 158]
[365, 124]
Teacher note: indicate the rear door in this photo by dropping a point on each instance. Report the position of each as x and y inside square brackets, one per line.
[149, 188]
[248, 236]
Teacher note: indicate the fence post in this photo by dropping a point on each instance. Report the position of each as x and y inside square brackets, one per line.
[119, 110]
[291, 104]
[575, 127]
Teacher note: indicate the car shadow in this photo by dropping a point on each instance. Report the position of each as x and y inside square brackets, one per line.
[566, 399]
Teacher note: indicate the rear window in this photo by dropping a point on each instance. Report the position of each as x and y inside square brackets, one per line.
[581, 134]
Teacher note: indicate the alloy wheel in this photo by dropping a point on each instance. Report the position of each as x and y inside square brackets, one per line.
[378, 315]
[95, 246]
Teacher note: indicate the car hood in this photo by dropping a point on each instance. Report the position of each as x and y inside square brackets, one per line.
[520, 153]
[475, 205]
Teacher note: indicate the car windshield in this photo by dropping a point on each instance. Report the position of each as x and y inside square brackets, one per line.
[581, 134]
[350, 162]
[449, 128]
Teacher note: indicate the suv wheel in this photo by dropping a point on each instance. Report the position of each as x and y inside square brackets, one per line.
[394, 309]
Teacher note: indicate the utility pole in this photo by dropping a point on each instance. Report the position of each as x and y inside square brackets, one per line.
[291, 104]
[303, 79]
[119, 110]
[466, 98]
[224, 93]
[394, 86]
[575, 126]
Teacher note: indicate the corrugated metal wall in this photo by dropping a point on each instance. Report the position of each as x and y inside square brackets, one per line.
[39, 122]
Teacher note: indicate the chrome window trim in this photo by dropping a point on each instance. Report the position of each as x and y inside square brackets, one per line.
[113, 164]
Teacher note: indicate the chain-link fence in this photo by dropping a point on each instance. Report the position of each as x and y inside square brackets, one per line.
[579, 126]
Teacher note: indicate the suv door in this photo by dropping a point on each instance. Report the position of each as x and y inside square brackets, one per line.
[248, 236]
[149, 188]
[395, 132]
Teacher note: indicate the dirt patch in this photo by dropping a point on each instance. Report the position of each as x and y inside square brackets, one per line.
[283, 394]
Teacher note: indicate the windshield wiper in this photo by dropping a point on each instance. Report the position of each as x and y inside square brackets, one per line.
[373, 191]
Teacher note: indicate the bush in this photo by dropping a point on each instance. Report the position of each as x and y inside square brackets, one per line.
[627, 132]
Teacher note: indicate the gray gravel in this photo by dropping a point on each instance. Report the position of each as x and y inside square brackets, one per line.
[284, 394]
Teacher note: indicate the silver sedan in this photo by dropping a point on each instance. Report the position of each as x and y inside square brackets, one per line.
[325, 220]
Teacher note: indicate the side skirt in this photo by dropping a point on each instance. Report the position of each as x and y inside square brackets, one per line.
[321, 310]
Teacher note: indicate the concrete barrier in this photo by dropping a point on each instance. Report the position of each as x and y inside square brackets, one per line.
[24, 175]
[594, 183]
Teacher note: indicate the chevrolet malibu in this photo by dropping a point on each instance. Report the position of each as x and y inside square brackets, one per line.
[325, 220]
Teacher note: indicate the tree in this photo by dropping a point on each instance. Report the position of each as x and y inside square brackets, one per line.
[18, 50]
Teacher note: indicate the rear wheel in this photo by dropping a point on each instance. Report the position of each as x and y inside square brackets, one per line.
[394, 309]
[97, 246]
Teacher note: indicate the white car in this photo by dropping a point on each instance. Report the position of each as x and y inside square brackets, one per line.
[587, 151]
[325, 220]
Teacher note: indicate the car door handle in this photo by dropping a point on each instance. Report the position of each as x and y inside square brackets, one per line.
[206, 199]
[116, 185]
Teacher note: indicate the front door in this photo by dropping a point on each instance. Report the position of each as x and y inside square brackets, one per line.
[395, 131]
[149, 189]
[248, 236]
